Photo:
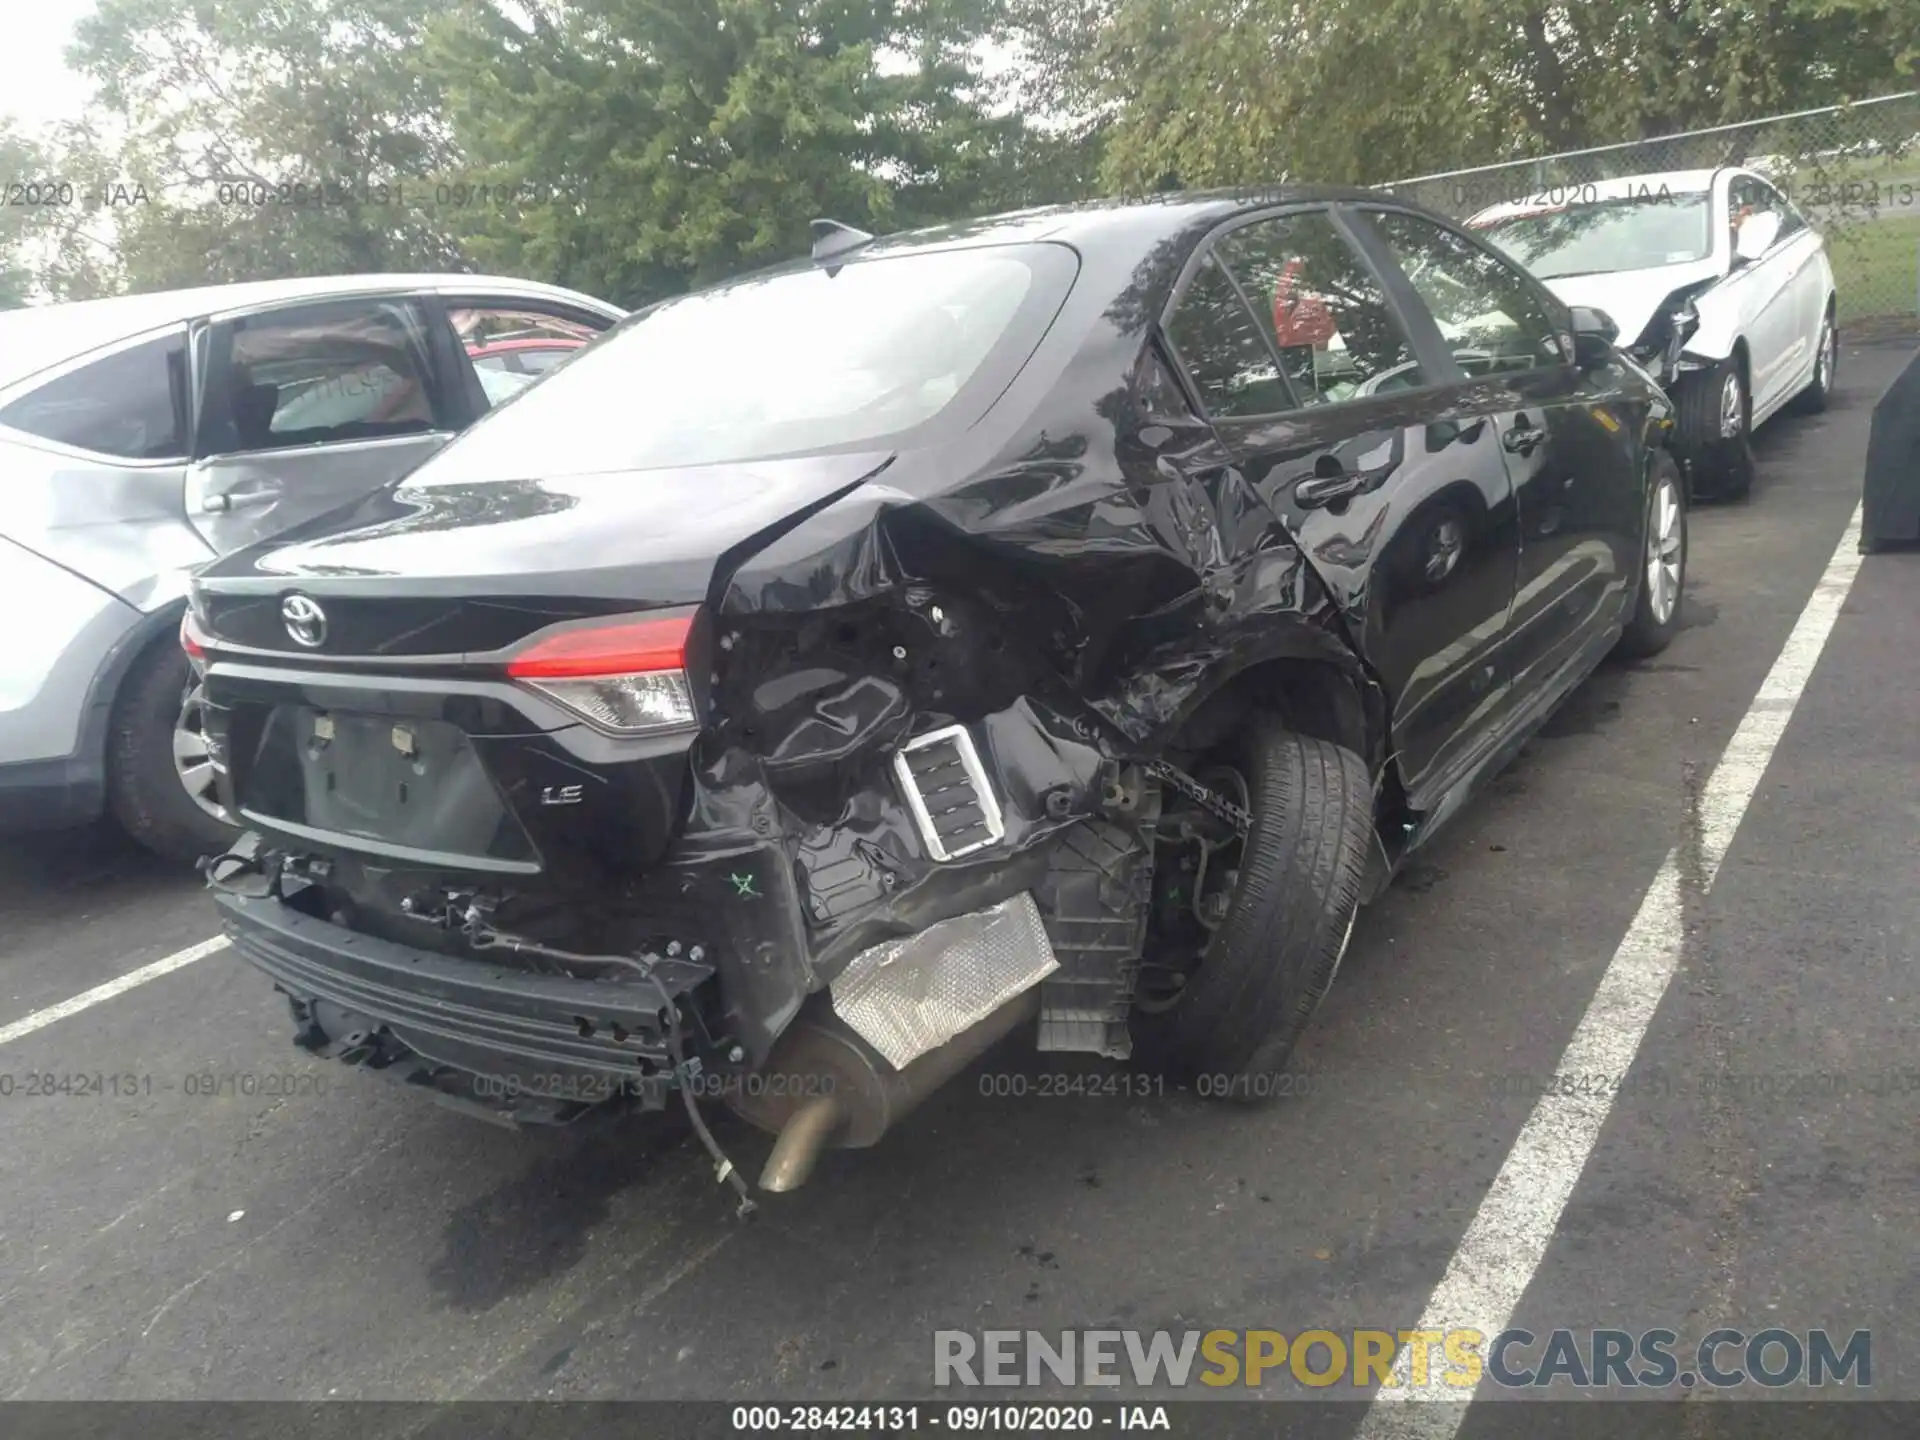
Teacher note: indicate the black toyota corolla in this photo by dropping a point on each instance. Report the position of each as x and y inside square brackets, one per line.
[1060, 622]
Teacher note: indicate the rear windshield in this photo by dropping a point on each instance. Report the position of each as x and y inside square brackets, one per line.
[799, 361]
[1637, 233]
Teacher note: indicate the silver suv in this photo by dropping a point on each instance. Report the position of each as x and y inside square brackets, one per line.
[144, 435]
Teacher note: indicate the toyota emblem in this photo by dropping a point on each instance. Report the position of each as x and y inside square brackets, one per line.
[306, 621]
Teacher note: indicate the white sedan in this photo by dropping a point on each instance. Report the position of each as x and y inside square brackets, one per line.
[1717, 284]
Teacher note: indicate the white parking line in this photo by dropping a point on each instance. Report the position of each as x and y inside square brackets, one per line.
[1503, 1247]
[40, 1019]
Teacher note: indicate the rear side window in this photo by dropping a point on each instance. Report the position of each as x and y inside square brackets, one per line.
[338, 398]
[802, 360]
[1230, 364]
[1158, 391]
[323, 374]
[131, 404]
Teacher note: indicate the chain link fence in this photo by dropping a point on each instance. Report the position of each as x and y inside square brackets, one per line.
[1852, 170]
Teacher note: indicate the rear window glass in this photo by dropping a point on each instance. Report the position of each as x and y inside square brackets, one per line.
[798, 361]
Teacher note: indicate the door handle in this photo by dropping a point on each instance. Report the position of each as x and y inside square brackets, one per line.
[1524, 438]
[1442, 433]
[1322, 490]
[228, 501]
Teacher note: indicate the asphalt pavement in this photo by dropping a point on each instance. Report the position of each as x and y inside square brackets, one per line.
[339, 1238]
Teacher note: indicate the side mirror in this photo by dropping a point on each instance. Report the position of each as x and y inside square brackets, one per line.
[1755, 236]
[1594, 333]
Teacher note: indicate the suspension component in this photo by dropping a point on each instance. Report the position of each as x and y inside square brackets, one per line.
[1211, 801]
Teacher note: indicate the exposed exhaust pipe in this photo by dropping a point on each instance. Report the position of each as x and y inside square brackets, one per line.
[836, 1090]
[808, 1131]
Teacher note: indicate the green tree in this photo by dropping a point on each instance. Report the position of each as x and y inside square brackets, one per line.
[1235, 91]
[55, 242]
[22, 160]
[636, 147]
[79, 250]
[271, 137]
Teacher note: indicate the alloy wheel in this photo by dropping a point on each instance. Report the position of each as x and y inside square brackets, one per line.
[1829, 355]
[1666, 545]
[1733, 406]
[192, 761]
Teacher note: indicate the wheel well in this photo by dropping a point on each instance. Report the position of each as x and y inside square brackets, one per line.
[1326, 700]
[157, 628]
[1313, 696]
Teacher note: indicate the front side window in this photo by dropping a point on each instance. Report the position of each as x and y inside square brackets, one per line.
[508, 346]
[1791, 220]
[1637, 232]
[802, 360]
[1491, 318]
[539, 360]
[1743, 199]
[500, 379]
[131, 404]
[324, 374]
[1747, 197]
[1322, 307]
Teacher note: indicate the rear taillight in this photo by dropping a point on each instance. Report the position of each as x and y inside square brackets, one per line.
[193, 639]
[627, 677]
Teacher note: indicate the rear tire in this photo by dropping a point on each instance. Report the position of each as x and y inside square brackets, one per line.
[1826, 368]
[1714, 421]
[1663, 565]
[1270, 960]
[144, 785]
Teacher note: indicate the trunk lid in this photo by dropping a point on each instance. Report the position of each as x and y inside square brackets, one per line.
[644, 538]
[357, 683]
[452, 570]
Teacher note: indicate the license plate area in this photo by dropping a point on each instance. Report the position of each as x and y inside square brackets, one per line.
[401, 781]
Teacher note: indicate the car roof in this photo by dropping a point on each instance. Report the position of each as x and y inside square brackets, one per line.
[1088, 220]
[39, 336]
[1545, 199]
[1118, 231]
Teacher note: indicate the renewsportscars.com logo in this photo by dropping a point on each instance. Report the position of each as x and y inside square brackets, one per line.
[1448, 1361]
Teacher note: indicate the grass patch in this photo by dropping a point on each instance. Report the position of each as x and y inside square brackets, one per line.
[1876, 267]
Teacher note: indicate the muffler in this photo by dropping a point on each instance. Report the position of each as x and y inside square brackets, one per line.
[824, 1086]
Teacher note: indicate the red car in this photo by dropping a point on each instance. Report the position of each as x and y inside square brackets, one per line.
[508, 364]
[526, 355]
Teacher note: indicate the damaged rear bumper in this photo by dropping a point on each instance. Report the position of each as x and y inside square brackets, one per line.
[529, 1046]
[521, 1046]
[820, 977]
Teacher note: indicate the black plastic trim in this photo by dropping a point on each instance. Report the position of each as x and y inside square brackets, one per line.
[430, 1000]
[51, 794]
